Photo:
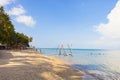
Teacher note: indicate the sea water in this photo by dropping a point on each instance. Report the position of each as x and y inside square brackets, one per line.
[97, 63]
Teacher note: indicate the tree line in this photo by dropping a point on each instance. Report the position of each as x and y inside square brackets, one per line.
[8, 35]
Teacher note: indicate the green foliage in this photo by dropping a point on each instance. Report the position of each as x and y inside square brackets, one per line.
[22, 39]
[8, 35]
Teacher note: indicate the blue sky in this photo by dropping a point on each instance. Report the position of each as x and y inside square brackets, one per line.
[76, 22]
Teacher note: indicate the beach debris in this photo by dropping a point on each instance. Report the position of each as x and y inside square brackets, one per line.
[64, 51]
[69, 47]
[59, 50]
[65, 54]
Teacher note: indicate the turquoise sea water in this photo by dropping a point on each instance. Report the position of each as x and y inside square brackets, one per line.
[99, 64]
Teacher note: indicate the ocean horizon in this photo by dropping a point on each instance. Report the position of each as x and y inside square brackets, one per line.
[101, 64]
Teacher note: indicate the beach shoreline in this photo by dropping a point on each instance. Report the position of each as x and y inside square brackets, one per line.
[29, 65]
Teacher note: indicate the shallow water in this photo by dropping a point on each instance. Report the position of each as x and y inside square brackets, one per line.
[97, 64]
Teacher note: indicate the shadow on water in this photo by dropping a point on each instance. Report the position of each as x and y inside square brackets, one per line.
[98, 72]
[87, 68]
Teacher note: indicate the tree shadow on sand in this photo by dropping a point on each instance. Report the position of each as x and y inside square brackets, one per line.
[35, 68]
[5, 56]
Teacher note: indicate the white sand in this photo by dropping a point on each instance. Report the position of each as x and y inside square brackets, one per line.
[28, 65]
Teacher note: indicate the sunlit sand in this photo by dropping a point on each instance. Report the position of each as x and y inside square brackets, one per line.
[29, 65]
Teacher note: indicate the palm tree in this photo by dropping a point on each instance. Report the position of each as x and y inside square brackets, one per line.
[8, 35]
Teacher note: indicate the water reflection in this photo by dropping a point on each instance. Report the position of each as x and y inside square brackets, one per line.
[100, 64]
[97, 72]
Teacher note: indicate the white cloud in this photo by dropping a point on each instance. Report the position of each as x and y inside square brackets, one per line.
[110, 31]
[27, 20]
[5, 2]
[19, 13]
[19, 10]
[21, 17]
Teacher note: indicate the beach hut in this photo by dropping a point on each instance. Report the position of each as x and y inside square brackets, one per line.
[2, 46]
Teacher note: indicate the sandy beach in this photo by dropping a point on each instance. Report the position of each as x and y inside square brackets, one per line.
[29, 65]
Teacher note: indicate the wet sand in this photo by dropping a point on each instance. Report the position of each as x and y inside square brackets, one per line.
[29, 65]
